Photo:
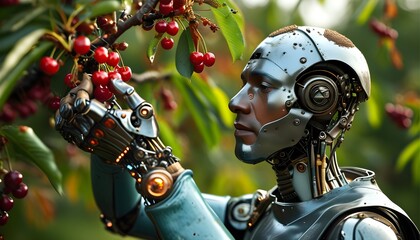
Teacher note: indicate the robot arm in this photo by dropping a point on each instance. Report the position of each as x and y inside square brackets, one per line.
[138, 183]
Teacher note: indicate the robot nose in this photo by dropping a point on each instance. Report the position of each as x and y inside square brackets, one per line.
[240, 102]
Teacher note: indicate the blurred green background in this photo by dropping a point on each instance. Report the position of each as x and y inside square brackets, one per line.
[374, 142]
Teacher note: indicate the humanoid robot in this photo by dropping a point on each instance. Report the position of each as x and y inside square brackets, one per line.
[302, 88]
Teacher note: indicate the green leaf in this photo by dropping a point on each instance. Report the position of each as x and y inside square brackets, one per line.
[153, 47]
[373, 112]
[365, 11]
[16, 62]
[200, 111]
[230, 24]
[409, 152]
[184, 48]
[27, 144]
[100, 8]
[21, 19]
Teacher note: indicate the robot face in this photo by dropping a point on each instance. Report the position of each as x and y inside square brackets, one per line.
[260, 101]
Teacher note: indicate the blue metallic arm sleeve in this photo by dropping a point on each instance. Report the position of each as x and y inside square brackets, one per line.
[185, 213]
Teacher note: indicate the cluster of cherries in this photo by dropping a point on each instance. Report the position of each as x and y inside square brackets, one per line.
[399, 114]
[108, 69]
[13, 185]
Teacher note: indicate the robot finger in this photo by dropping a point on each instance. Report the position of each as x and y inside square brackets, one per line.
[128, 93]
[83, 94]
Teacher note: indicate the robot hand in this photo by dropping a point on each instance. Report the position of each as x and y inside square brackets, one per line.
[124, 137]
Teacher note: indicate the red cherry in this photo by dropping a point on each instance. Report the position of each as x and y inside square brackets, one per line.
[167, 43]
[209, 59]
[172, 28]
[196, 58]
[101, 54]
[102, 93]
[21, 191]
[12, 179]
[114, 75]
[100, 78]
[49, 65]
[166, 9]
[81, 45]
[165, 1]
[4, 217]
[6, 202]
[113, 59]
[125, 73]
[199, 68]
[161, 26]
[68, 80]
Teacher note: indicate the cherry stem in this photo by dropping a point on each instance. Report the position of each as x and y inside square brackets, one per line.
[134, 20]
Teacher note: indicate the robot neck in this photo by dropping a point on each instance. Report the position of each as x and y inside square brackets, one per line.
[305, 174]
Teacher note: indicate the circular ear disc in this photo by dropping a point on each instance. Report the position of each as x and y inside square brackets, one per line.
[317, 92]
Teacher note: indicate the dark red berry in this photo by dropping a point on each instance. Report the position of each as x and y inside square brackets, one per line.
[199, 68]
[165, 1]
[12, 179]
[102, 93]
[21, 191]
[209, 59]
[4, 217]
[113, 59]
[54, 103]
[160, 26]
[6, 202]
[125, 73]
[100, 78]
[49, 65]
[81, 45]
[101, 54]
[167, 43]
[166, 9]
[172, 28]
[196, 58]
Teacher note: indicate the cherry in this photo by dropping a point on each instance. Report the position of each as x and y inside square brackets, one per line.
[196, 58]
[166, 9]
[12, 179]
[54, 103]
[114, 75]
[100, 78]
[81, 45]
[165, 1]
[113, 59]
[101, 54]
[209, 59]
[21, 191]
[172, 28]
[4, 217]
[102, 93]
[6, 202]
[125, 72]
[161, 26]
[199, 67]
[49, 65]
[68, 80]
[167, 43]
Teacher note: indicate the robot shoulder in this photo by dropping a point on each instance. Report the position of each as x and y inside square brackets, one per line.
[365, 225]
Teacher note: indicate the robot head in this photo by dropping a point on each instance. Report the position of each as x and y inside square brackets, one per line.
[297, 77]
